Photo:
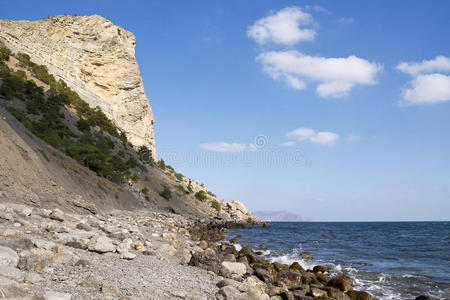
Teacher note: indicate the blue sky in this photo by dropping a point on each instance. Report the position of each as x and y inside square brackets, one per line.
[296, 105]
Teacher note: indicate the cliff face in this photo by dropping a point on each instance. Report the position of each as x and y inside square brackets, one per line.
[96, 59]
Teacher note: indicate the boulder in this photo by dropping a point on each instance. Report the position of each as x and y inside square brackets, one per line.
[57, 215]
[236, 268]
[127, 255]
[11, 272]
[52, 295]
[305, 255]
[322, 269]
[317, 293]
[32, 277]
[340, 283]
[167, 249]
[101, 244]
[8, 257]
[359, 295]
[296, 267]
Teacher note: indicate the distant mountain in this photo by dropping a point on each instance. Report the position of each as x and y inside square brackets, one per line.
[278, 216]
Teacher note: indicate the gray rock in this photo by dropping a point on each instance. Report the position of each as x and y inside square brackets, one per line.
[11, 273]
[52, 295]
[101, 244]
[8, 257]
[236, 268]
[32, 277]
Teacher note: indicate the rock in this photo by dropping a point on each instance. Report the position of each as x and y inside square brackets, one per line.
[167, 249]
[124, 246]
[83, 226]
[11, 273]
[317, 293]
[109, 289]
[90, 282]
[8, 257]
[257, 294]
[340, 283]
[423, 297]
[96, 59]
[83, 263]
[185, 256]
[359, 295]
[296, 267]
[52, 295]
[57, 215]
[32, 277]
[236, 268]
[255, 283]
[127, 255]
[203, 245]
[206, 259]
[63, 256]
[322, 278]
[336, 293]
[101, 244]
[306, 255]
[229, 292]
[225, 282]
[138, 246]
[322, 269]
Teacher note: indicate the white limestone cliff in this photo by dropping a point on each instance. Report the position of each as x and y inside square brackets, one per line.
[96, 59]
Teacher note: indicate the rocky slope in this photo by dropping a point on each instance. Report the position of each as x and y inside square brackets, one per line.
[96, 59]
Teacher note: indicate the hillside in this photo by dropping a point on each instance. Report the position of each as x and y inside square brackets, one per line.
[60, 152]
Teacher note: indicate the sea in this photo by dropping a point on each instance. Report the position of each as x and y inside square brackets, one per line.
[390, 260]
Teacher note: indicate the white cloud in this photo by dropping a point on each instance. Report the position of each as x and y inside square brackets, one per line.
[322, 137]
[325, 138]
[346, 21]
[427, 89]
[336, 76]
[224, 147]
[438, 64]
[283, 27]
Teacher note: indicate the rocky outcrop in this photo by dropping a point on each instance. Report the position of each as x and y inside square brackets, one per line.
[96, 59]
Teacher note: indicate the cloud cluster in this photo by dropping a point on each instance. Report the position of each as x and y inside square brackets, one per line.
[428, 86]
[283, 27]
[227, 147]
[335, 77]
[319, 137]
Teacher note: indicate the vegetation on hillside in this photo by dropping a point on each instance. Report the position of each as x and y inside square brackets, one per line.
[100, 149]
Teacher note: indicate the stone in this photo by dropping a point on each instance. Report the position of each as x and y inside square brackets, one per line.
[57, 214]
[32, 277]
[296, 267]
[305, 255]
[109, 289]
[63, 256]
[359, 295]
[90, 282]
[203, 245]
[83, 226]
[127, 255]
[101, 244]
[52, 295]
[340, 283]
[167, 249]
[11, 273]
[229, 292]
[97, 60]
[255, 283]
[318, 293]
[322, 269]
[8, 257]
[236, 268]
[124, 246]
[185, 256]
[138, 246]
[83, 263]
[336, 293]
[225, 282]
[424, 297]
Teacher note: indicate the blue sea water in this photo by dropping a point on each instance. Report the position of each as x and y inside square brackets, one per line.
[390, 260]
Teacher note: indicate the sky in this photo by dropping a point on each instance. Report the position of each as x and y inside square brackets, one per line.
[334, 110]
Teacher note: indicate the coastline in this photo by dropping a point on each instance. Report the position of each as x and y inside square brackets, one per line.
[144, 254]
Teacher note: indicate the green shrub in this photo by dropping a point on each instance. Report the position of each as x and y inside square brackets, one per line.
[83, 125]
[145, 191]
[166, 193]
[7, 91]
[134, 178]
[216, 205]
[5, 53]
[201, 195]
[179, 176]
[145, 155]
[162, 164]
[212, 194]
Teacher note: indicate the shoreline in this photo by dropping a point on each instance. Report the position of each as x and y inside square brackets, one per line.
[145, 254]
